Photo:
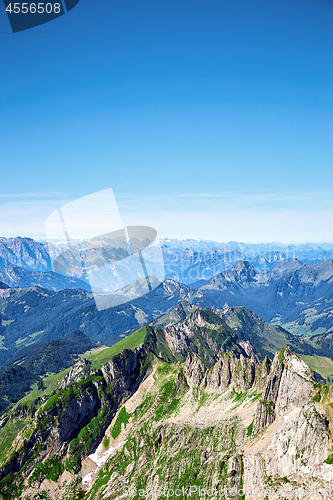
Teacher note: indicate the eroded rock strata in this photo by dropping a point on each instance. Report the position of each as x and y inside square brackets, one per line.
[178, 413]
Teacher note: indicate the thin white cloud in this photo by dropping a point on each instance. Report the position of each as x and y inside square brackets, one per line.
[26, 217]
[288, 217]
[247, 226]
[233, 201]
[36, 194]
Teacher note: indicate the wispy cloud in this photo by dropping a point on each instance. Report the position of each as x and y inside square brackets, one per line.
[288, 216]
[35, 195]
[24, 214]
[247, 226]
[210, 202]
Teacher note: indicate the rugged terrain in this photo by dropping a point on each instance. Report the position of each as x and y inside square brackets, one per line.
[19, 277]
[291, 294]
[35, 314]
[35, 361]
[183, 407]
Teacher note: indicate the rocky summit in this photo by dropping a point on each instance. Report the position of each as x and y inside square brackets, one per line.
[188, 411]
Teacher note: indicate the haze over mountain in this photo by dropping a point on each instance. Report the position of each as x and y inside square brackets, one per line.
[186, 261]
[15, 276]
[292, 294]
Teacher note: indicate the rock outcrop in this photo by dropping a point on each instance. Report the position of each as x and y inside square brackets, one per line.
[194, 370]
[83, 397]
[238, 428]
[78, 372]
[290, 383]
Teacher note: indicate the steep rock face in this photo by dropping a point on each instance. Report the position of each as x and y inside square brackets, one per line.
[231, 371]
[74, 415]
[249, 349]
[292, 458]
[54, 427]
[122, 371]
[77, 373]
[58, 422]
[300, 445]
[203, 333]
[290, 384]
[265, 413]
[234, 476]
[194, 370]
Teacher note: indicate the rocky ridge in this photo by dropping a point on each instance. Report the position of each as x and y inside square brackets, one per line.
[143, 421]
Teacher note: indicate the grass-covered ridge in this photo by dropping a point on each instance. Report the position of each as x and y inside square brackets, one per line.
[131, 342]
[156, 450]
[47, 398]
[48, 391]
[321, 365]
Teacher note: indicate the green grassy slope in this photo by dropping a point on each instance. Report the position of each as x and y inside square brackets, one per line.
[22, 412]
[131, 342]
[267, 338]
[320, 364]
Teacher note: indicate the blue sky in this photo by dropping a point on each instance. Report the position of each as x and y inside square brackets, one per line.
[208, 118]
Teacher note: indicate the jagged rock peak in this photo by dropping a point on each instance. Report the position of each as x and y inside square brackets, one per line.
[242, 271]
[232, 371]
[294, 363]
[248, 348]
[203, 318]
[290, 384]
[194, 370]
[121, 368]
[78, 372]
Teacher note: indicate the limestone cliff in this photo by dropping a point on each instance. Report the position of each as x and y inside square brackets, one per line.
[143, 422]
[289, 385]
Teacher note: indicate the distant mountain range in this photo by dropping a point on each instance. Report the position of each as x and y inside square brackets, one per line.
[195, 262]
[15, 276]
[186, 261]
[41, 305]
[292, 294]
[36, 314]
[296, 296]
